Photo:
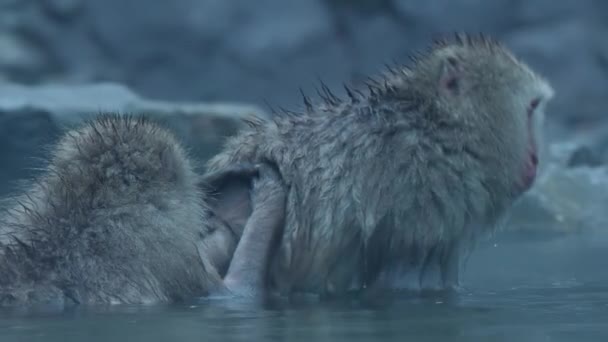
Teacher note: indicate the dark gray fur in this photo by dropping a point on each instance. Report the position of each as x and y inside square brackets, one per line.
[119, 217]
[391, 188]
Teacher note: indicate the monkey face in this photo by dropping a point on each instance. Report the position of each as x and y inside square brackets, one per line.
[535, 95]
[502, 101]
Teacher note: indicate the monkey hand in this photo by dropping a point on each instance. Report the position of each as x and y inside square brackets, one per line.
[268, 189]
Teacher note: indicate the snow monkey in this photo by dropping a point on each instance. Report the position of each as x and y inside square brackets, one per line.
[118, 216]
[391, 187]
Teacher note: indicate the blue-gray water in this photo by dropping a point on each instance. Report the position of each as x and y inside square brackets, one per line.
[524, 292]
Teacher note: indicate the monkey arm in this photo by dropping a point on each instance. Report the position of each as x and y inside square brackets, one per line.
[219, 179]
[229, 194]
[247, 272]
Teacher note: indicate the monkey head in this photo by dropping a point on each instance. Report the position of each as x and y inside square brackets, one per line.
[498, 99]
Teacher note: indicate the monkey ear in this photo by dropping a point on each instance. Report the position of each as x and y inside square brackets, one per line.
[451, 78]
[229, 194]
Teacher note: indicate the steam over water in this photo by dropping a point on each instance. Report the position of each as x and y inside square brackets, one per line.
[547, 290]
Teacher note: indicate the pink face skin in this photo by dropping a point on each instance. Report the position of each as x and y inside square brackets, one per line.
[531, 164]
[530, 168]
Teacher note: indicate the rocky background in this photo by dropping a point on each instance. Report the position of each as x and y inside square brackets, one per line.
[200, 64]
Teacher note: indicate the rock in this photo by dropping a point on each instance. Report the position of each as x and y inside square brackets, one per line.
[19, 58]
[33, 117]
[23, 135]
[588, 145]
[572, 64]
[448, 16]
[240, 50]
[62, 9]
[585, 156]
[215, 49]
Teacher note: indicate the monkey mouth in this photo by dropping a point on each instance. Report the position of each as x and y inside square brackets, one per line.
[530, 170]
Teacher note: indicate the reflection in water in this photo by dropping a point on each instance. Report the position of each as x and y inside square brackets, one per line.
[525, 292]
[559, 314]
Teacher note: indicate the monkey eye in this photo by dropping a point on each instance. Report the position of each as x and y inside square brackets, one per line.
[533, 105]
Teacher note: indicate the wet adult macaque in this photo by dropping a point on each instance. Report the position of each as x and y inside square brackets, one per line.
[119, 217]
[390, 188]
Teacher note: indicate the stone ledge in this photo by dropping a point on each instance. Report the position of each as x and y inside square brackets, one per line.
[32, 118]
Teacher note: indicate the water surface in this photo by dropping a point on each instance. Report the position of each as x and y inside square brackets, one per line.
[531, 292]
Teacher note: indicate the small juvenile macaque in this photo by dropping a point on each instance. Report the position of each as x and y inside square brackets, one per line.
[391, 188]
[118, 217]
